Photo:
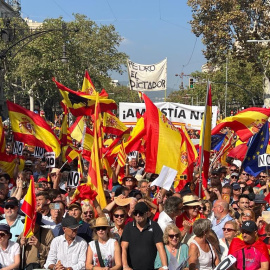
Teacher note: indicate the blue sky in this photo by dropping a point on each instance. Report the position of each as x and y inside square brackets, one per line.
[152, 29]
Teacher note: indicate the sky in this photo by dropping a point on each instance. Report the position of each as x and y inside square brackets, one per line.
[151, 29]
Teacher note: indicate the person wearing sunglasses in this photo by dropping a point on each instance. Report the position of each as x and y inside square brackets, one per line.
[141, 239]
[104, 252]
[88, 213]
[175, 250]
[119, 219]
[250, 251]
[246, 215]
[12, 218]
[244, 176]
[9, 250]
[230, 231]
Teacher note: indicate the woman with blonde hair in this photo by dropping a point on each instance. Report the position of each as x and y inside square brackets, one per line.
[88, 213]
[104, 252]
[173, 246]
[201, 253]
[230, 231]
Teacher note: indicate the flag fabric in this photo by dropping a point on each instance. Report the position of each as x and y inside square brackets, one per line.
[29, 208]
[2, 137]
[94, 177]
[80, 103]
[163, 140]
[77, 128]
[122, 156]
[8, 163]
[72, 153]
[257, 147]
[217, 141]
[83, 192]
[30, 128]
[205, 136]
[64, 136]
[88, 86]
[111, 124]
[246, 123]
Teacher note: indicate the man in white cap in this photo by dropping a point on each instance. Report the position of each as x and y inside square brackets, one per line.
[67, 251]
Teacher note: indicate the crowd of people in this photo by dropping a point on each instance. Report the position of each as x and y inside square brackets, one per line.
[142, 226]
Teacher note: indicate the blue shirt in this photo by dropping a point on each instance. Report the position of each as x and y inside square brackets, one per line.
[217, 228]
[16, 228]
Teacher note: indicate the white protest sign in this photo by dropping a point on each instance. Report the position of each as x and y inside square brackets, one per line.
[18, 148]
[263, 160]
[39, 152]
[50, 159]
[178, 114]
[226, 263]
[73, 179]
[165, 178]
[147, 77]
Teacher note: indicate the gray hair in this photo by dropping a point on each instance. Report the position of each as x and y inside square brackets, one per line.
[171, 204]
[201, 226]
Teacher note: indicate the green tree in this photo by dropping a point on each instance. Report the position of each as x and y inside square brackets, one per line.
[88, 46]
[226, 25]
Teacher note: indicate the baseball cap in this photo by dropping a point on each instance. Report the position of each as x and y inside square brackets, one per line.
[236, 186]
[235, 174]
[70, 222]
[75, 205]
[11, 202]
[141, 207]
[42, 179]
[5, 228]
[249, 226]
[28, 163]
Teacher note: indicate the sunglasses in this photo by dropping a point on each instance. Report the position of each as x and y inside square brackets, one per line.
[2, 234]
[245, 215]
[129, 180]
[53, 174]
[119, 216]
[245, 174]
[235, 209]
[228, 230]
[246, 232]
[135, 213]
[9, 206]
[174, 235]
[102, 228]
[233, 170]
[262, 176]
[88, 213]
[234, 176]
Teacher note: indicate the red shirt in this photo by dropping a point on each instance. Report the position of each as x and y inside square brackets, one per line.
[180, 219]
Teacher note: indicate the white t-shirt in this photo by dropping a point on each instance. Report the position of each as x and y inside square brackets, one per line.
[107, 253]
[7, 256]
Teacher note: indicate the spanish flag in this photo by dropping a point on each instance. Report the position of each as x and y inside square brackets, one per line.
[111, 124]
[8, 164]
[163, 140]
[29, 208]
[94, 177]
[205, 136]
[88, 86]
[246, 123]
[64, 137]
[80, 103]
[30, 128]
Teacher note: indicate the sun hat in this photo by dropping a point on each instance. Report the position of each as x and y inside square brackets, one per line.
[122, 201]
[191, 200]
[101, 222]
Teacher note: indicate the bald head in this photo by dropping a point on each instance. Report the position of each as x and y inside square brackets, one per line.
[220, 209]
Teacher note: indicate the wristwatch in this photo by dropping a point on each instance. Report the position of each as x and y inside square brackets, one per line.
[165, 267]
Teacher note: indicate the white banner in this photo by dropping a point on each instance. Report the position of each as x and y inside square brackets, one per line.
[147, 77]
[178, 114]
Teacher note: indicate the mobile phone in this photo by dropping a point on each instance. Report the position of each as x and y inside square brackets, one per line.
[55, 206]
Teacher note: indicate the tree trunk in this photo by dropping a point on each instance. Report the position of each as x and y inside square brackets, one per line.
[266, 88]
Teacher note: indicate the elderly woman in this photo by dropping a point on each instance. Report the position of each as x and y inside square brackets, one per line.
[201, 253]
[88, 213]
[104, 252]
[173, 247]
[9, 250]
[230, 231]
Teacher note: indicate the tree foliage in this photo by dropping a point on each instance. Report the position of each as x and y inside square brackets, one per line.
[32, 65]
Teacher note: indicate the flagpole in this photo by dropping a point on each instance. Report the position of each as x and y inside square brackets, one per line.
[202, 146]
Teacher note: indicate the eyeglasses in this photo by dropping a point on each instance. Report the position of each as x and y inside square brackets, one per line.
[233, 170]
[246, 232]
[2, 234]
[88, 213]
[174, 235]
[119, 216]
[234, 176]
[235, 209]
[245, 174]
[245, 214]
[53, 174]
[135, 213]
[262, 176]
[202, 208]
[236, 189]
[228, 230]
[9, 206]
[129, 180]
[102, 228]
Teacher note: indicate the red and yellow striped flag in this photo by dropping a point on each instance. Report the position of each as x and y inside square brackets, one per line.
[2, 137]
[94, 177]
[205, 136]
[111, 124]
[29, 208]
[64, 136]
[88, 86]
[122, 156]
[30, 128]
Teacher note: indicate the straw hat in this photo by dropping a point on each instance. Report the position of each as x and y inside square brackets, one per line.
[122, 201]
[101, 222]
[191, 200]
